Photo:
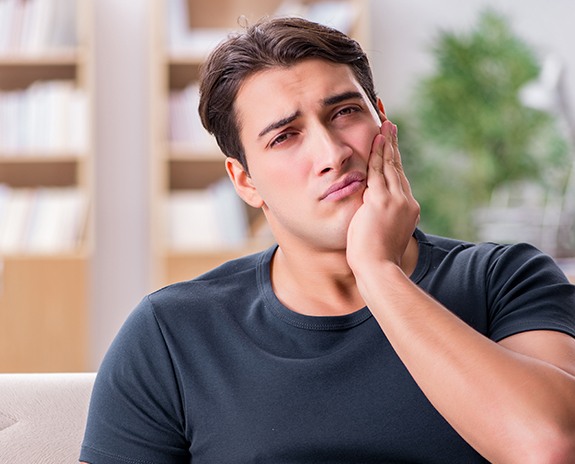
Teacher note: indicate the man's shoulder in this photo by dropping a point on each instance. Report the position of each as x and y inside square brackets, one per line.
[228, 281]
[238, 268]
[453, 246]
[443, 243]
[487, 257]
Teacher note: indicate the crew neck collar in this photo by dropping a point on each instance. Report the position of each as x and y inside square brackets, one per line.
[307, 322]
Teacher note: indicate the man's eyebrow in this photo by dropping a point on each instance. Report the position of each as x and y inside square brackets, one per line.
[277, 124]
[335, 99]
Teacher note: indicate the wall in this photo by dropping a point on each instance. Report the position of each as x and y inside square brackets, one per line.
[403, 33]
[121, 262]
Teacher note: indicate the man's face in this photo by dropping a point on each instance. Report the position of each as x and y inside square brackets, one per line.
[307, 132]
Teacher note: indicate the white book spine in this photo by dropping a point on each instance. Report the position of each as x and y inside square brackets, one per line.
[42, 221]
[231, 214]
[4, 25]
[58, 216]
[76, 125]
[15, 225]
[192, 222]
[39, 30]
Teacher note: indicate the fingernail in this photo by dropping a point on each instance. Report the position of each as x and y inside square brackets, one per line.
[394, 130]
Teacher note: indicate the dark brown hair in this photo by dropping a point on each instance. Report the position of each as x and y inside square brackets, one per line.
[278, 42]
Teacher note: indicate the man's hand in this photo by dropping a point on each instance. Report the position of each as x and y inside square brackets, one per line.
[384, 224]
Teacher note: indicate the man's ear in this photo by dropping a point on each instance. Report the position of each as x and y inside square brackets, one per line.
[243, 183]
[381, 109]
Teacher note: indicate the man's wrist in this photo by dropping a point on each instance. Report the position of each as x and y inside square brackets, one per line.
[381, 273]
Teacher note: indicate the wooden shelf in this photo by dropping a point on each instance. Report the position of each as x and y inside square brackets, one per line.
[187, 152]
[184, 265]
[20, 71]
[43, 321]
[38, 156]
[48, 58]
[44, 293]
[60, 172]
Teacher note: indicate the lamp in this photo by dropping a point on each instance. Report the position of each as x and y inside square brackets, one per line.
[548, 93]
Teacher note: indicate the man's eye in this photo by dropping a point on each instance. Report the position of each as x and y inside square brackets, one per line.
[280, 139]
[348, 110]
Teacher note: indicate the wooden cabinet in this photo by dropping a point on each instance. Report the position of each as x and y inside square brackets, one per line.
[186, 163]
[46, 154]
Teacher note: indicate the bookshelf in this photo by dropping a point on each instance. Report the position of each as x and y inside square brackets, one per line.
[46, 155]
[188, 237]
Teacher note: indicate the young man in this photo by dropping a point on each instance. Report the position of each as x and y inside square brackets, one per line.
[357, 338]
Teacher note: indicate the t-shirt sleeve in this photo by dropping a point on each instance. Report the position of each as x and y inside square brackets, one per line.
[528, 291]
[136, 410]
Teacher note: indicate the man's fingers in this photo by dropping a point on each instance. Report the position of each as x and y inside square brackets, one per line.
[391, 158]
[376, 159]
[385, 163]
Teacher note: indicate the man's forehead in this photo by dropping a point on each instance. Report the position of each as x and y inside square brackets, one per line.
[277, 93]
[307, 71]
[295, 81]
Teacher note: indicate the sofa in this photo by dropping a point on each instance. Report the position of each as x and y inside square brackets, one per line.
[42, 417]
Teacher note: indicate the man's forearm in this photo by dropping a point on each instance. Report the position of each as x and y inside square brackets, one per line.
[509, 406]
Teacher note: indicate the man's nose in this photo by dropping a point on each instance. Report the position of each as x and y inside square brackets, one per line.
[330, 151]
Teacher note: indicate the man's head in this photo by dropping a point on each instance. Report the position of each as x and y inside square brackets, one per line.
[280, 42]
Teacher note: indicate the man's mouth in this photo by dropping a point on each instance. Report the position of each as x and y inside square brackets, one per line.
[349, 185]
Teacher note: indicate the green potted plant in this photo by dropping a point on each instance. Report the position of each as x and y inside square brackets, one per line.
[469, 133]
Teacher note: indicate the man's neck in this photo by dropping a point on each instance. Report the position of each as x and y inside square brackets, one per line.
[321, 283]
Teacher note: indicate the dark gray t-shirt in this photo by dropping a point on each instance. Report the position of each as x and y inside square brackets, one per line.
[217, 370]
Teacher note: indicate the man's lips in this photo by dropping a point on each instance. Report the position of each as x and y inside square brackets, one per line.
[348, 185]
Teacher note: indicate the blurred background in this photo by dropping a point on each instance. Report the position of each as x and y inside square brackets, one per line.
[482, 92]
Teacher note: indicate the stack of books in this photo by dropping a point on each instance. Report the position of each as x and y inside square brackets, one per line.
[48, 116]
[186, 130]
[34, 26]
[208, 219]
[41, 220]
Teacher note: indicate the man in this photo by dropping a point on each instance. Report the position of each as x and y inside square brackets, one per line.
[357, 338]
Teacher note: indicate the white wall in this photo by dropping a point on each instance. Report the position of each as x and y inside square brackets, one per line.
[402, 33]
[121, 262]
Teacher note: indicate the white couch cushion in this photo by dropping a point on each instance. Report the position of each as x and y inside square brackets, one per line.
[42, 417]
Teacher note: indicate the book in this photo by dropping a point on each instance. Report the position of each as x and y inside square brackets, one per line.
[16, 219]
[339, 14]
[36, 38]
[62, 30]
[192, 221]
[44, 220]
[185, 125]
[56, 220]
[35, 26]
[47, 117]
[207, 219]
[4, 198]
[16, 22]
[231, 215]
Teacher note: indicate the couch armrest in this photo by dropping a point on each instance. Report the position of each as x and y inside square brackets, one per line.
[42, 416]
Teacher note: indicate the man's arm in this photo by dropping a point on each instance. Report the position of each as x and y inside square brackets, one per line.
[513, 401]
